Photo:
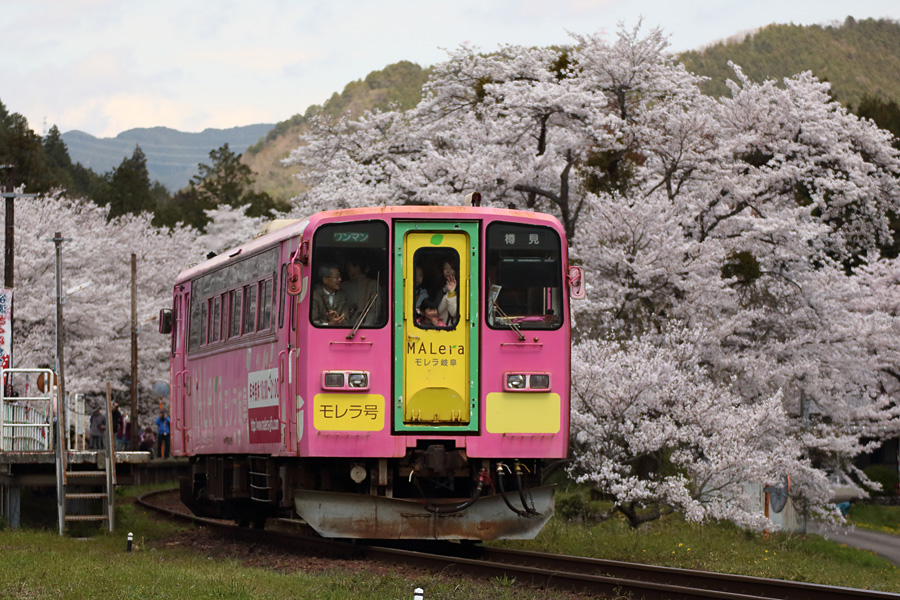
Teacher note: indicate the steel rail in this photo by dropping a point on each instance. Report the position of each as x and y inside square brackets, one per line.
[553, 571]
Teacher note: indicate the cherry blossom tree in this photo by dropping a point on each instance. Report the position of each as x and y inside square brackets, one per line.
[96, 257]
[756, 219]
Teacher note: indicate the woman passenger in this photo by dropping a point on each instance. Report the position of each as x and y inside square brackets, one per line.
[448, 307]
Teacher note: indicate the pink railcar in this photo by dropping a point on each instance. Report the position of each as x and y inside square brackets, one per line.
[307, 381]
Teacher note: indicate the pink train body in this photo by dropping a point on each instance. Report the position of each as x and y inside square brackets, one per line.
[379, 426]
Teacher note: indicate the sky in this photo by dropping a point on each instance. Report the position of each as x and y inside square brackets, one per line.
[106, 66]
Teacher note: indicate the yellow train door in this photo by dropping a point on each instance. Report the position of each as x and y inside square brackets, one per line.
[436, 316]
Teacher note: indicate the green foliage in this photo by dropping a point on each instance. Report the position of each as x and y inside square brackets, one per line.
[885, 519]
[128, 188]
[743, 267]
[885, 114]
[226, 180]
[41, 165]
[609, 171]
[859, 58]
[886, 476]
[719, 547]
[397, 84]
[576, 505]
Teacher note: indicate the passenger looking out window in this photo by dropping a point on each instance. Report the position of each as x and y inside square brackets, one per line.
[362, 292]
[429, 317]
[435, 284]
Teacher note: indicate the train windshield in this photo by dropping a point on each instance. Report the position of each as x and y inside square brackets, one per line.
[523, 277]
[349, 275]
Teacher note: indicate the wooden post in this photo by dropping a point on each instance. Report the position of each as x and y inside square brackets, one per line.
[134, 354]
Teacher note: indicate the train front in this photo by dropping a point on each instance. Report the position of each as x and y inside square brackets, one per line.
[432, 355]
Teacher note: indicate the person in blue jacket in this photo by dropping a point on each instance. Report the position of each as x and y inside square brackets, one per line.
[163, 445]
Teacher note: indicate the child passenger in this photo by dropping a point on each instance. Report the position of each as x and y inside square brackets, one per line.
[429, 319]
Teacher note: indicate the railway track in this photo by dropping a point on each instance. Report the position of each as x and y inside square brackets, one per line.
[605, 578]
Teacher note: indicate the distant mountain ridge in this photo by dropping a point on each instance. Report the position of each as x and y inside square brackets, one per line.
[172, 156]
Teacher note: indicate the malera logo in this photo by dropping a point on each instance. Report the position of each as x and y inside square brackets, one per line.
[435, 349]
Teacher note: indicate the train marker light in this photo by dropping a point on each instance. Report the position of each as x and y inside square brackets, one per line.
[334, 380]
[539, 382]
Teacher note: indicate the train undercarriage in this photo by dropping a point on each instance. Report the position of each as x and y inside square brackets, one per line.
[434, 492]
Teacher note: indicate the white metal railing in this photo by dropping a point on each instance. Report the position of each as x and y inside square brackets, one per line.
[77, 422]
[25, 418]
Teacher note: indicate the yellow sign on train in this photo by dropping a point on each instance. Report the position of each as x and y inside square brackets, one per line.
[348, 412]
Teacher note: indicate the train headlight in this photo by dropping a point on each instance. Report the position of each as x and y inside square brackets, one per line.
[515, 381]
[358, 380]
[333, 380]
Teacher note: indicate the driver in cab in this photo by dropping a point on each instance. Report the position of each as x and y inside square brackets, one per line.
[329, 303]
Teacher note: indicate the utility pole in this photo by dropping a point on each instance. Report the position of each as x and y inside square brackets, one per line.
[134, 354]
[58, 239]
[9, 196]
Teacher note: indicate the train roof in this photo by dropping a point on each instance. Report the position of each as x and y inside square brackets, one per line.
[279, 230]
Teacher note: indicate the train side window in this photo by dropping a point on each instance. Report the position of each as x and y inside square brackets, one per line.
[523, 277]
[265, 305]
[204, 325]
[234, 329]
[234, 303]
[216, 326]
[249, 309]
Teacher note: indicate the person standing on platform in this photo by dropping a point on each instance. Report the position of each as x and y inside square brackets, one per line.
[118, 426]
[163, 445]
[97, 430]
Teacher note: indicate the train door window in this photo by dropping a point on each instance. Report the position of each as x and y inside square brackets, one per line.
[523, 277]
[234, 328]
[349, 275]
[249, 309]
[436, 292]
[265, 305]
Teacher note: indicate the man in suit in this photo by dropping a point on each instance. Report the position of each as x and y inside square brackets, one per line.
[329, 303]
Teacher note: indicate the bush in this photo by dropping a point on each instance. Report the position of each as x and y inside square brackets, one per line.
[886, 476]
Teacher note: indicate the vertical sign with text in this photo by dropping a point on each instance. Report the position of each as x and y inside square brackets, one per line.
[263, 407]
[6, 328]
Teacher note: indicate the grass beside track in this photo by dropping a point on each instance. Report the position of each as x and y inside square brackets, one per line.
[884, 519]
[36, 563]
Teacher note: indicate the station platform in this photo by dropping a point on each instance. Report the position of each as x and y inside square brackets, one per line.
[37, 470]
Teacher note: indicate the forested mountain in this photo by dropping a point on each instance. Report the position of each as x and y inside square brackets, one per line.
[399, 83]
[858, 58]
[172, 156]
